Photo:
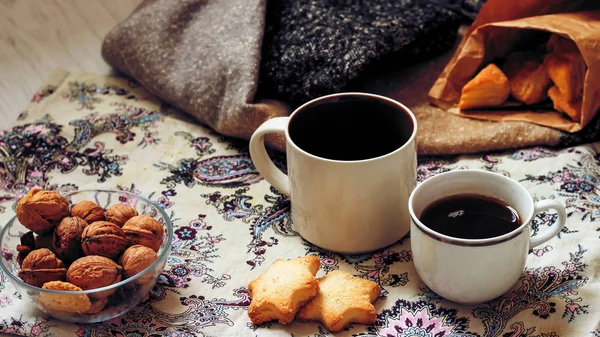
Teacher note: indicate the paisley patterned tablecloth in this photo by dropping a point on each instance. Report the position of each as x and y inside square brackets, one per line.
[87, 131]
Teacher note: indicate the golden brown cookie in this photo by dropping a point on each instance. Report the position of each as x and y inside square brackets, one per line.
[562, 104]
[489, 88]
[530, 83]
[342, 299]
[283, 289]
[63, 302]
[567, 70]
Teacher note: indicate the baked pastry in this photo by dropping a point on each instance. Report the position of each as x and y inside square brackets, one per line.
[342, 299]
[514, 61]
[562, 104]
[489, 88]
[567, 71]
[529, 83]
[283, 289]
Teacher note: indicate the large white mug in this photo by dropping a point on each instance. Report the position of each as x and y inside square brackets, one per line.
[475, 270]
[351, 162]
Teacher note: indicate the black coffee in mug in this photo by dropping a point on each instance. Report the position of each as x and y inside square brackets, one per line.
[470, 216]
[350, 128]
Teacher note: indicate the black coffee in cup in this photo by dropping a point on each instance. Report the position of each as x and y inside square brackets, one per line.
[470, 216]
[350, 128]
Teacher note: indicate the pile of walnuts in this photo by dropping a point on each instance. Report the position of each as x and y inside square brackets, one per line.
[81, 248]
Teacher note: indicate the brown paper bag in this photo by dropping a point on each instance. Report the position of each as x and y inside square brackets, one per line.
[491, 41]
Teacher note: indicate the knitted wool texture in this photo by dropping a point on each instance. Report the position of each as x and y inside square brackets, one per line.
[313, 47]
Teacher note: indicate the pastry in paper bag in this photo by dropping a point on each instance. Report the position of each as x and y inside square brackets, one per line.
[551, 61]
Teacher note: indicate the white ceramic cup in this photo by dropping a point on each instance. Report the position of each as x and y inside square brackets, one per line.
[475, 270]
[346, 206]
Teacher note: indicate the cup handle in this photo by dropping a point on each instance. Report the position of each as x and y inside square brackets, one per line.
[261, 159]
[551, 232]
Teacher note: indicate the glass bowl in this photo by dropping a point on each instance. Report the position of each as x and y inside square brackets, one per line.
[125, 294]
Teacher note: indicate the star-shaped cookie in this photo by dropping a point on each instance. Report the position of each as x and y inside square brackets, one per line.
[283, 289]
[342, 299]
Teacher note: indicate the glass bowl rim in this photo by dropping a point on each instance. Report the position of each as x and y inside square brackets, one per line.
[167, 248]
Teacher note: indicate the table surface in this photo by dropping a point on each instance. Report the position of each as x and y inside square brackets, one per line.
[38, 36]
[230, 226]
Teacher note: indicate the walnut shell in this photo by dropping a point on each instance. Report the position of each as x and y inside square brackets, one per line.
[92, 272]
[28, 239]
[120, 213]
[40, 210]
[64, 303]
[42, 258]
[37, 278]
[41, 266]
[66, 240]
[135, 259]
[44, 241]
[103, 238]
[26, 246]
[144, 230]
[88, 211]
[23, 252]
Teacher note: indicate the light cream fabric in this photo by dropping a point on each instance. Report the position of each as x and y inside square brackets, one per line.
[94, 131]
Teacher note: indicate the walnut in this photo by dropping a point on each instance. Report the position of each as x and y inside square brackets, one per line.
[28, 239]
[44, 241]
[41, 266]
[103, 238]
[26, 246]
[135, 259]
[64, 303]
[41, 210]
[144, 230]
[92, 272]
[66, 240]
[23, 252]
[42, 258]
[120, 213]
[88, 211]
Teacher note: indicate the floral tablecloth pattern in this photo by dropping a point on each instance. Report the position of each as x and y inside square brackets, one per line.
[87, 131]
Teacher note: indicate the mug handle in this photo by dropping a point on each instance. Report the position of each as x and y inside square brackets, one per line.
[551, 232]
[258, 153]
